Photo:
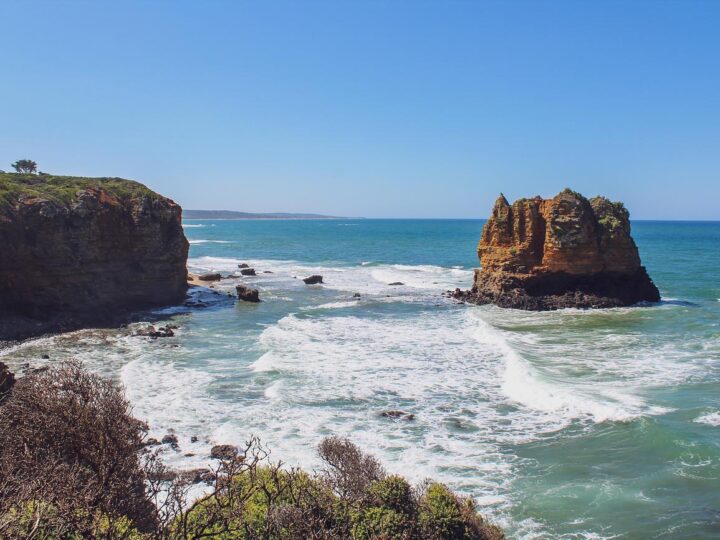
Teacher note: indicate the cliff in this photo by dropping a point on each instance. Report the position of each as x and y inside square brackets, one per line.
[567, 251]
[79, 250]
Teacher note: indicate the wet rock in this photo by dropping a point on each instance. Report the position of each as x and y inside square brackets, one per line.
[163, 476]
[243, 265]
[313, 280]
[356, 295]
[159, 332]
[172, 440]
[223, 451]
[7, 380]
[248, 272]
[196, 476]
[151, 442]
[247, 294]
[193, 439]
[395, 283]
[267, 272]
[45, 357]
[210, 276]
[397, 414]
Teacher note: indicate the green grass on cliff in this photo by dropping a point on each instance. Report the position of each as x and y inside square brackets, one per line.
[63, 189]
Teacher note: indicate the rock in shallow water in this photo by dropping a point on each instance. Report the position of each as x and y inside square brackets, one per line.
[313, 280]
[564, 252]
[210, 276]
[247, 294]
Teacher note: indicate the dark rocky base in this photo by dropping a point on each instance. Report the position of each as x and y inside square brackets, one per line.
[16, 327]
[550, 291]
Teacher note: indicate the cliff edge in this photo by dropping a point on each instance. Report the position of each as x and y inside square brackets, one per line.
[84, 250]
[568, 251]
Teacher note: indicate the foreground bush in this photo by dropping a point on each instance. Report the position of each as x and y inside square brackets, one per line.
[72, 466]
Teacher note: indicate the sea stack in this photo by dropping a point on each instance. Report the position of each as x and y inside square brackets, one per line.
[83, 251]
[564, 252]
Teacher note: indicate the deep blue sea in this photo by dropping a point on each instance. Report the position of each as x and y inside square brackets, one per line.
[569, 424]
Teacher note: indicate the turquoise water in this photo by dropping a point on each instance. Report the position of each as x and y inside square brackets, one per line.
[570, 424]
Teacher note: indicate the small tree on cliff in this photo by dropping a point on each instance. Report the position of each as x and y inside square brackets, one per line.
[25, 166]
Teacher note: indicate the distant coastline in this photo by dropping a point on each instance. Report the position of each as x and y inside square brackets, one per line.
[231, 214]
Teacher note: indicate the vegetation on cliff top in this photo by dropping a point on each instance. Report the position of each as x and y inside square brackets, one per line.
[74, 464]
[63, 189]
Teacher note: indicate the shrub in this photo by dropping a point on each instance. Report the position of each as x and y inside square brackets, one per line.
[444, 516]
[347, 469]
[72, 466]
[69, 454]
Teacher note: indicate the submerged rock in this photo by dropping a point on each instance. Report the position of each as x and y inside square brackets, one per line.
[400, 415]
[247, 294]
[564, 252]
[313, 280]
[395, 283]
[248, 272]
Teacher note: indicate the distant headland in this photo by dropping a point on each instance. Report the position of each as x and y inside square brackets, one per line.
[231, 214]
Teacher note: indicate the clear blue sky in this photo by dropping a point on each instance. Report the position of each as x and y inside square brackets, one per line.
[369, 108]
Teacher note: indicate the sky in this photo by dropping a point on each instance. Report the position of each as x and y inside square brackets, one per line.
[369, 108]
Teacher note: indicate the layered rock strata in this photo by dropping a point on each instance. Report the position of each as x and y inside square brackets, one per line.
[85, 250]
[568, 251]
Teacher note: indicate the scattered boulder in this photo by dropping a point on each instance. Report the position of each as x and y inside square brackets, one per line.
[243, 265]
[248, 272]
[395, 283]
[210, 276]
[154, 333]
[247, 294]
[193, 439]
[45, 357]
[356, 295]
[267, 271]
[399, 415]
[223, 451]
[196, 476]
[151, 442]
[313, 280]
[170, 439]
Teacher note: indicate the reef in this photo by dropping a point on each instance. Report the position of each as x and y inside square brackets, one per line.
[85, 251]
[564, 252]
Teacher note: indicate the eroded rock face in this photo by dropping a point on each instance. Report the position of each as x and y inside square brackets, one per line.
[567, 251]
[86, 249]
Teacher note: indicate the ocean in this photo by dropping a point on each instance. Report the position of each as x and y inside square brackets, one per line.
[569, 424]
